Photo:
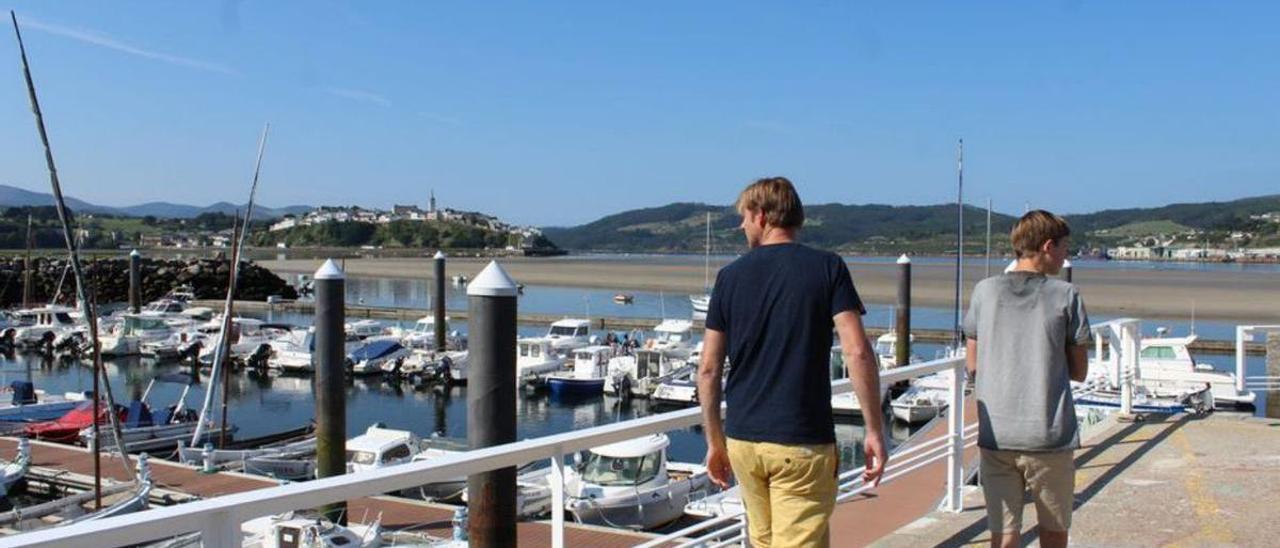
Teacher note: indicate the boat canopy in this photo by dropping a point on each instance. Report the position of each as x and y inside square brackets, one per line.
[374, 350]
[634, 448]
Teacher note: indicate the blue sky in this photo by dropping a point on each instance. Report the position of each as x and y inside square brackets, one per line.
[558, 113]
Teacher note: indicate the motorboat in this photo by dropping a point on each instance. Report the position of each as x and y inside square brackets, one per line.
[380, 447]
[291, 458]
[680, 390]
[632, 485]
[589, 369]
[424, 367]
[535, 359]
[887, 353]
[673, 338]
[376, 356]
[700, 304]
[847, 404]
[31, 405]
[47, 323]
[134, 330]
[66, 429]
[1167, 368]
[624, 298]
[295, 530]
[364, 329]
[294, 352]
[249, 336]
[927, 397]
[569, 334]
[147, 427]
[186, 342]
[640, 373]
[423, 335]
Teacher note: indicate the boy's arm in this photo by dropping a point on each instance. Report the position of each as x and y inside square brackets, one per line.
[1077, 362]
[971, 356]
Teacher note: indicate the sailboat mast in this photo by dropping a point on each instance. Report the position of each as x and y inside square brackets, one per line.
[26, 268]
[220, 351]
[64, 216]
[959, 234]
[706, 259]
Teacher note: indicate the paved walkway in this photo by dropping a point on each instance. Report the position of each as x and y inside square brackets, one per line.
[1169, 481]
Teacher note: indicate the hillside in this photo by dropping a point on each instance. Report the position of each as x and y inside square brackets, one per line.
[17, 197]
[680, 227]
[413, 234]
[1203, 216]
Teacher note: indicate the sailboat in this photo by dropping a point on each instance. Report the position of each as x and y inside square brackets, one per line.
[701, 302]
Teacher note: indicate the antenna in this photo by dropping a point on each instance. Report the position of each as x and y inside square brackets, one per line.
[959, 234]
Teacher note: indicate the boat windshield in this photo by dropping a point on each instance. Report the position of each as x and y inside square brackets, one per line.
[602, 470]
[361, 457]
[562, 330]
[667, 336]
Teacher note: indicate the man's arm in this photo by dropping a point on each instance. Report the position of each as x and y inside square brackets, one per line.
[709, 374]
[1078, 362]
[864, 375]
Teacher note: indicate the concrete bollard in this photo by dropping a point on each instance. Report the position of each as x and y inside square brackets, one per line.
[1066, 270]
[135, 281]
[438, 300]
[330, 384]
[902, 327]
[491, 404]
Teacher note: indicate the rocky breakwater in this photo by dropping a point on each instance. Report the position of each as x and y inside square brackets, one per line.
[109, 280]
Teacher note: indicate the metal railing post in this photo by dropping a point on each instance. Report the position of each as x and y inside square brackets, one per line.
[220, 531]
[1243, 334]
[1129, 366]
[955, 434]
[557, 500]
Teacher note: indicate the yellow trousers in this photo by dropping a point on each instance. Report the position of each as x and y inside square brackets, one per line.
[789, 491]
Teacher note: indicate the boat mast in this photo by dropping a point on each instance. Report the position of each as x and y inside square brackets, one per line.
[220, 351]
[706, 259]
[65, 217]
[26, 268]
[959, 234]
[226, 343]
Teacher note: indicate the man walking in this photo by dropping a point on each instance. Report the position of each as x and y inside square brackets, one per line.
[772, 311]
[1028, 337]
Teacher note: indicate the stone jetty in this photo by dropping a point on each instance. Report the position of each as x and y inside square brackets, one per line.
[109, 280]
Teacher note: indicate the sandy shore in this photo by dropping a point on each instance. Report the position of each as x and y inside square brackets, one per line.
[1167, 294]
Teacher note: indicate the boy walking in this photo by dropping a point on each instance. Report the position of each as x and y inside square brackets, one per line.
[1027, 338]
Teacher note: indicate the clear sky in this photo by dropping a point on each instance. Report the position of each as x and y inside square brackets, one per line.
[556, 113]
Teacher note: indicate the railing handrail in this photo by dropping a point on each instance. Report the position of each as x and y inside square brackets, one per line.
[217, 515]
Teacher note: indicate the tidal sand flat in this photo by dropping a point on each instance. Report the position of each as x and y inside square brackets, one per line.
[1252, 296]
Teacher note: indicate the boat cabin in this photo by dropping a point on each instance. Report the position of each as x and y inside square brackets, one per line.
[379, 447]
[591, 362]
[364, 328]
[627, 463]
[569, 333]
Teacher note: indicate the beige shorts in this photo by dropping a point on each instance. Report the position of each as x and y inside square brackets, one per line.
[789, 491]
[1007, 475]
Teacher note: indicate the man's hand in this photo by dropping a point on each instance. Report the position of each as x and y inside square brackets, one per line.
[875, 457]
[718, 466]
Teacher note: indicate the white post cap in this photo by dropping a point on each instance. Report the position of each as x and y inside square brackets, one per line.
[1066, 263]
[329, 271]
[493, 281]
[439, 255]
[904, 259]
[134, 253]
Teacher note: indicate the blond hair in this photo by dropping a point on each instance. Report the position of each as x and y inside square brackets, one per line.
[1034, 229]
[776, 199]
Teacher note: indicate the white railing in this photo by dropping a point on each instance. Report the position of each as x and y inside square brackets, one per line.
[218, 519]
[1244, 334]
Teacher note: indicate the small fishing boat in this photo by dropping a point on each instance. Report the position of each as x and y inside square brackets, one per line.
[569, 334]
[673, 338]
[423, 335]
[927, 397]
[459, 280]
[632, 485]
[249, 336]
[127, 337]
[66, 429]
[31, 405]
[364, 329]
[47, 323]
[590, 367]
[624, 298]
[424, 367]
[535, 359]
[700, 303]
[1166, 368]
[296, 530]
[376, 357]
[680, 390]
[640, 373]
[148, 427]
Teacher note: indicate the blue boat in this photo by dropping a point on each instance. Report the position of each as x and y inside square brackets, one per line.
[586, 379]
[28, 405]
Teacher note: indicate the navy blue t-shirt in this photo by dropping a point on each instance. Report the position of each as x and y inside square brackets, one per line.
[775, 306]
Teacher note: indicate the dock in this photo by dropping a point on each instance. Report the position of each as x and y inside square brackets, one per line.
[1166, 480]
[395, 513]
[410, 314]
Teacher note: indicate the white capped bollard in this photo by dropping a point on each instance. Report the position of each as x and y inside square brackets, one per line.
[491, 404]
